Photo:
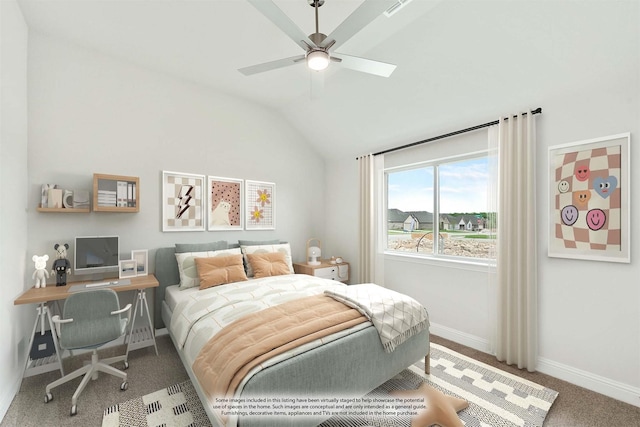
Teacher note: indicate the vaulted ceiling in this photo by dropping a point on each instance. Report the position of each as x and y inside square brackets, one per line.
[459, 62]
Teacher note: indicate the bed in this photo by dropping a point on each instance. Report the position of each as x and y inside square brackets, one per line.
[349, 362]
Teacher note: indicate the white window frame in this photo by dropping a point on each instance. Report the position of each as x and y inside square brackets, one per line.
[435, 257]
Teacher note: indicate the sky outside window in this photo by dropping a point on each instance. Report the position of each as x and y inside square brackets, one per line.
[463, 187]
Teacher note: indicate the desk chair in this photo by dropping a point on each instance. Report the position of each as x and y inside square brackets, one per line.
[90, 320]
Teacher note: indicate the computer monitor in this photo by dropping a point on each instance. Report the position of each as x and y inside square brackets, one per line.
[96, 256]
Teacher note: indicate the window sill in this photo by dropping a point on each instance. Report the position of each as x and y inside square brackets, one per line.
[442, 261]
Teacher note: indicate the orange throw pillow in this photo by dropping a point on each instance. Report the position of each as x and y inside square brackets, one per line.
[219, 270]
[268, 264]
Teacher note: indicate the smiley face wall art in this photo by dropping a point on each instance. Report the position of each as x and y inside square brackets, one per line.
[589, 206]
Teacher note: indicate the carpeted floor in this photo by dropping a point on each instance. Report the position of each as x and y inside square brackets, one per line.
[574, 407]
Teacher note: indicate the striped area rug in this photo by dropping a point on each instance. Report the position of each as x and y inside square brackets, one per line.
[496, 398]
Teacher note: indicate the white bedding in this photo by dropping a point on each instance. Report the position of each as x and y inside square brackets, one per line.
[173, 295]
[197, 316]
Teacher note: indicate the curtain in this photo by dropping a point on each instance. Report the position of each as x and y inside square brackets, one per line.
[372, 213]
[512, 143]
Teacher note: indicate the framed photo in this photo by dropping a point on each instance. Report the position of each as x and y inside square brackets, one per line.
[226, 208]
[141, 257]
[260, 205]
[127, 268]
[183, 201]
[589, 199]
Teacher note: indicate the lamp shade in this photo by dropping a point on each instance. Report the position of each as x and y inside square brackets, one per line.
[314, 252]
[318, 60]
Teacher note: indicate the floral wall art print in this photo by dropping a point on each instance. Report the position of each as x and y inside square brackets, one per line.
[183, 201]
[225, 203]
[260, 205]
[589, 187]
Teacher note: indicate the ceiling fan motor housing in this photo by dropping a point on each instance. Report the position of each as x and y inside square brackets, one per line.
[317, 38]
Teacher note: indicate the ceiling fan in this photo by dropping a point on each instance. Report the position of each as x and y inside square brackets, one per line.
[319, 47]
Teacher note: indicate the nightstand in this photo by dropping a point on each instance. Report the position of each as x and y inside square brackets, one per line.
[326, 270]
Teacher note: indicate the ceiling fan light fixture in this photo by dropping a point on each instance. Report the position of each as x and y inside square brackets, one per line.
[318, 60]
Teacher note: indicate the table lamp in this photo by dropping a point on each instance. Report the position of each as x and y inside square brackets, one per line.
[313, 252]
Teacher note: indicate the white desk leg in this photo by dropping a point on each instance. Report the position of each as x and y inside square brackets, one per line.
[151, 328]
[141, 300]
[54, 335]
[42, 312]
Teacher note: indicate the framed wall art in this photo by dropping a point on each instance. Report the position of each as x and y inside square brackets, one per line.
[589, 199]
[183, 201]
[260, 205]
[141, 257]
[225, 203]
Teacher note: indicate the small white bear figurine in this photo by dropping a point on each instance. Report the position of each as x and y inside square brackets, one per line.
[41, 270]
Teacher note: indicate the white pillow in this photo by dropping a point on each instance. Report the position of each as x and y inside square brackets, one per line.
[263, 249]
[187, 265]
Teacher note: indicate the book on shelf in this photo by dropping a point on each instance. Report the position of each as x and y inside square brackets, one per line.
[122, 194]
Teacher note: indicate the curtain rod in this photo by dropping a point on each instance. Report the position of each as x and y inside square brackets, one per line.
[447, 135]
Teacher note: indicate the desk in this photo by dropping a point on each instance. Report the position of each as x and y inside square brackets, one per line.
[136, 338]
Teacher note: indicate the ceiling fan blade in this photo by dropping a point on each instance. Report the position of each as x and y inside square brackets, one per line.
[378, 68]
[282, 21]
[360, 18]
[272, 65]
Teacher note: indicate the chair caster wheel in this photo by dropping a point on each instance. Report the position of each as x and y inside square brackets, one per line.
[126, 365]
[124, 386]
[74, 410]
[48, 398]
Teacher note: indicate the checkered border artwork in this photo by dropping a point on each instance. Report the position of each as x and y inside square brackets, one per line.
[589, 199]
[226, 203]
[183, 201]
[260, 205]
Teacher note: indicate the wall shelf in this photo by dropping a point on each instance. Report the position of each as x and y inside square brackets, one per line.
[63, 210]
[115, 193]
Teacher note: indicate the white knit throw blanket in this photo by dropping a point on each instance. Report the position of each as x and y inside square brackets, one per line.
[395, 316]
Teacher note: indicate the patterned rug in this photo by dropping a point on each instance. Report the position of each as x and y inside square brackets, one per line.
[496, 398]
[177, 406]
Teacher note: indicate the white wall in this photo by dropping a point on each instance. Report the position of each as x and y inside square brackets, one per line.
[89, 113]
[589, 312]
[92, 113]
[13, 203]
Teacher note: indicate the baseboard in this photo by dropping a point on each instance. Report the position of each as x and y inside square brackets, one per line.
[599, 384]
[463, 338]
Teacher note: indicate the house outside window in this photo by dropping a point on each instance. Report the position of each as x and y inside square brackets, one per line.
[439, 209]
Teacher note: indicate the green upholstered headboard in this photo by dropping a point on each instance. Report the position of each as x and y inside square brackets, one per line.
[167, 273]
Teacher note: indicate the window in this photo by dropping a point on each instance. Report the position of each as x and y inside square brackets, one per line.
[439, 208]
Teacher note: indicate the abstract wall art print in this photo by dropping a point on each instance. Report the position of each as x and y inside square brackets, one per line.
[260, 205]
[183, 201]
[225, 203]
[589, 199]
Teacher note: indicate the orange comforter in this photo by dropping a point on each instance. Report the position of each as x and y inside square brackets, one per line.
[225, 360]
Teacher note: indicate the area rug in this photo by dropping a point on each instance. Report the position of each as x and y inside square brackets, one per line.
[496, 398]
[177, 406]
